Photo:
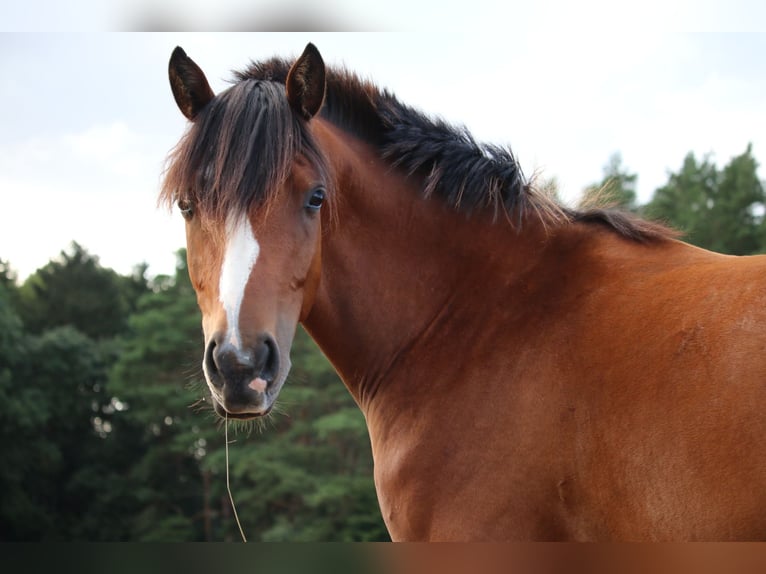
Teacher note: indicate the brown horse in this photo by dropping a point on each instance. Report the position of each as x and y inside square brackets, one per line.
[526, 370]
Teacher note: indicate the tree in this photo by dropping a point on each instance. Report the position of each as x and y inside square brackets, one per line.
[718, 210]
[9, 285]
[8, 276]
[19, 514]
[75, 290]
[52, 387]
[61, 478]
[134, 286]
[617, 187]
[737, 209]
[156, 381]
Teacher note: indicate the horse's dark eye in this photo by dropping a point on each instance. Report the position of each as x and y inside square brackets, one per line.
[186, 208]
[315, 199]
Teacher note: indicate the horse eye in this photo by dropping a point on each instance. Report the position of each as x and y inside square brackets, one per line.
[186, 208]
[315, 199]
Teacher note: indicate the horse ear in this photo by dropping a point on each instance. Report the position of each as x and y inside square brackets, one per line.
[189, 85]
[305, 83]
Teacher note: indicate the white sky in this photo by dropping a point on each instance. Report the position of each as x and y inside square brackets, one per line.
[86, 119]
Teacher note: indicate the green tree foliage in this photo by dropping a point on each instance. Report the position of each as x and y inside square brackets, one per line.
[720, 210]
[7, 276]
[156, 381]
[75, 290]
[61, 478]
[617, 186]
[52, 386]
[19, 419]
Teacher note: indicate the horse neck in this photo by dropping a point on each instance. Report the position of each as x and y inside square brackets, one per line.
[396, 266]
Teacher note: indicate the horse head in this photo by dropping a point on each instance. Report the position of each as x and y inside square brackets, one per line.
[250, 181]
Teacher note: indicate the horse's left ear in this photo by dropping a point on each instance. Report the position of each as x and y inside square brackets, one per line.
[189, 84]
[305, 83]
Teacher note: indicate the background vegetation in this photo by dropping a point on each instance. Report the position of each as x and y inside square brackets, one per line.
[106, 434]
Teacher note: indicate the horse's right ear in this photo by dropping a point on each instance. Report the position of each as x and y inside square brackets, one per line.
[189, 85]
[305, 84]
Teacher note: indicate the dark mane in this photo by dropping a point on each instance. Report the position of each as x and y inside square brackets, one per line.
[468, 175]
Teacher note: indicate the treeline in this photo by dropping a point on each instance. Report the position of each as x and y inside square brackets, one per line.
[106, 435]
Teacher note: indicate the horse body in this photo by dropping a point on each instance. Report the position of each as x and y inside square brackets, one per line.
[575, 377]
[592, 394]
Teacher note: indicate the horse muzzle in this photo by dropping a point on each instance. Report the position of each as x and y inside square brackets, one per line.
[244, 381]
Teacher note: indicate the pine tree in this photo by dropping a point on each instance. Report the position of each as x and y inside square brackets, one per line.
[75, 290]
[718, 210]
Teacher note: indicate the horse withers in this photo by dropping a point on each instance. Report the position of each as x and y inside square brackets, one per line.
[527, 371]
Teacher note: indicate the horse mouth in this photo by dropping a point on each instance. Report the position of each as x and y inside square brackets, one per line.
[224, 413]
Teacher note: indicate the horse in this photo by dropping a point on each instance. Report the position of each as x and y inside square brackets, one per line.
[527, 370]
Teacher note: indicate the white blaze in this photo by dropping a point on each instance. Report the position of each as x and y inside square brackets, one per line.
[238, 261]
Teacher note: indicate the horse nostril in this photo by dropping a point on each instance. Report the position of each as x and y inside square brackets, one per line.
[266, 359]
[211, 366]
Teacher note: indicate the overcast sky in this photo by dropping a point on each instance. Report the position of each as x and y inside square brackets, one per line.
[87, 119]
